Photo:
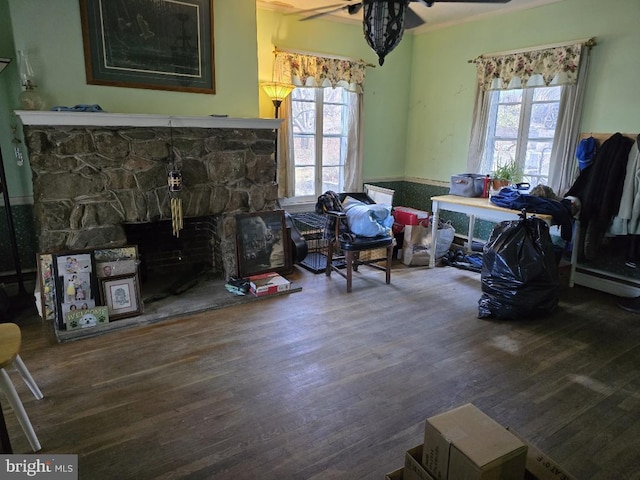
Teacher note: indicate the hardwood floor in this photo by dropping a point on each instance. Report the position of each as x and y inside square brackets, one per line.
[322, 384]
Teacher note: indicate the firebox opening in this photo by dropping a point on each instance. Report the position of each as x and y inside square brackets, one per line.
[170, 265]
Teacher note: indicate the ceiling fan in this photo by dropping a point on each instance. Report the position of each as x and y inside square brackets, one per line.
[384, 21]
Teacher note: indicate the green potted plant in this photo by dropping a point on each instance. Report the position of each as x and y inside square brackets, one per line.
[506, 174]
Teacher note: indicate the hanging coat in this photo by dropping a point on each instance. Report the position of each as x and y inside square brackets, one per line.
[599, 186]
[627, 221]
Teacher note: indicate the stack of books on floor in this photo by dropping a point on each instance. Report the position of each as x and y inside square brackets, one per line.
[465, 443]
[268, 284]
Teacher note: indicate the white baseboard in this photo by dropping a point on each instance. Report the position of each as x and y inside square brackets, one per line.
[605, 282]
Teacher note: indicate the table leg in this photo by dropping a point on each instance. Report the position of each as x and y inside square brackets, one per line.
[472, 226]
[575, 239]
[434, 234]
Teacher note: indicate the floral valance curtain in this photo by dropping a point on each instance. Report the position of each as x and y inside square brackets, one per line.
[533, 68]
[314, 71]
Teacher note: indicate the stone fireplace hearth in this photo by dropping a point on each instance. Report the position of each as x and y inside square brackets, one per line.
[95, 172]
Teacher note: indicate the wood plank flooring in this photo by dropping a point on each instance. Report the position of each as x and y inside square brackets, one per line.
[322, 384]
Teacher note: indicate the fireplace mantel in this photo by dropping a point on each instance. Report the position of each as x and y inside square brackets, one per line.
[103, 119]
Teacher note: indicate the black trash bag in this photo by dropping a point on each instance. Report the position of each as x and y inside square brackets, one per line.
[519, 271]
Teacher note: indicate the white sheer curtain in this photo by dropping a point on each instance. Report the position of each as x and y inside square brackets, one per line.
[561, 65]
[478, 130]
[285, 174]
[563, 168]
[355, 145]
[304, 70]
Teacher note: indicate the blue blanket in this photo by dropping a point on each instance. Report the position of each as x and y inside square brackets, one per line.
[560, 211]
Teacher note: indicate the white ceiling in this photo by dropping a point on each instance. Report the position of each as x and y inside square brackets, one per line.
[437, 16]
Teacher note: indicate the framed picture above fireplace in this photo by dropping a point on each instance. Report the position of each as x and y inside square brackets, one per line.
[121, 294]
[262, 243]
[155, 44]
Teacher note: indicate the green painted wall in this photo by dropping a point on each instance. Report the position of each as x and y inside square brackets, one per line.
[443, 83]
[386, 97]
[50, 31]
[18, 177]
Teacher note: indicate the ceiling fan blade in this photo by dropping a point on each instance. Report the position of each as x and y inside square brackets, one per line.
[412, 19]
[317, 9]
[334, 8]
[354, 8]
[430, 3]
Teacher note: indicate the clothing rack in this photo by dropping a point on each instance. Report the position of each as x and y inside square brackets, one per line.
[591, 276]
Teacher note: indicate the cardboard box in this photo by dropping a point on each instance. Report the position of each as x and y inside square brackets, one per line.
[540, 466]
[395, 475]
[268, 284]
[467, 443]
[413, 468]
[409, 216]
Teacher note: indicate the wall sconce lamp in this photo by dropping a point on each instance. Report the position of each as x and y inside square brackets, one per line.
[277, 92]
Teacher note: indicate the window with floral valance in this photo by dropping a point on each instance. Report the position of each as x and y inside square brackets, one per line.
[527, 112]
[533, 68]
[306, 145]
[317, 71]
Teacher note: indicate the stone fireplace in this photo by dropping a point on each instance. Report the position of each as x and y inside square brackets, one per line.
[96, 173]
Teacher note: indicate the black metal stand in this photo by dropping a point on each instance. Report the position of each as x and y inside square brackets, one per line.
[5, 443]
[276, 103]
[11, 228]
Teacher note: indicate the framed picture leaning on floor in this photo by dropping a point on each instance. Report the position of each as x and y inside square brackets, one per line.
[262, 243]
[121, 295]
[75, 284]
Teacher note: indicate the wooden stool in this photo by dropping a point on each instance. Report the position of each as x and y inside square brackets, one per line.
[10, 340]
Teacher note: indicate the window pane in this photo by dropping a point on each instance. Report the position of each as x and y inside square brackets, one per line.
[332, 151]
[332, 179]
[300, 93]
[537, 158]
[303, 117]
[504, 151]
[510, 96]
[305, 181]
[332, 119]
[507, 121]
[521, 128]
[333, 95]
[305, 150]
[319, 139]
[547, 93]
[544, 117]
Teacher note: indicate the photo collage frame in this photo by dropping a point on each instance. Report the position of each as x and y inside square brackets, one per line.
[87, 288]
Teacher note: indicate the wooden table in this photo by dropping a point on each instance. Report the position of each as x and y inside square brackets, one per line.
[483, 208]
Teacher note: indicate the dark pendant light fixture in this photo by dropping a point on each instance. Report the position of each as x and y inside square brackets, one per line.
[385, 20]
[384, 24]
